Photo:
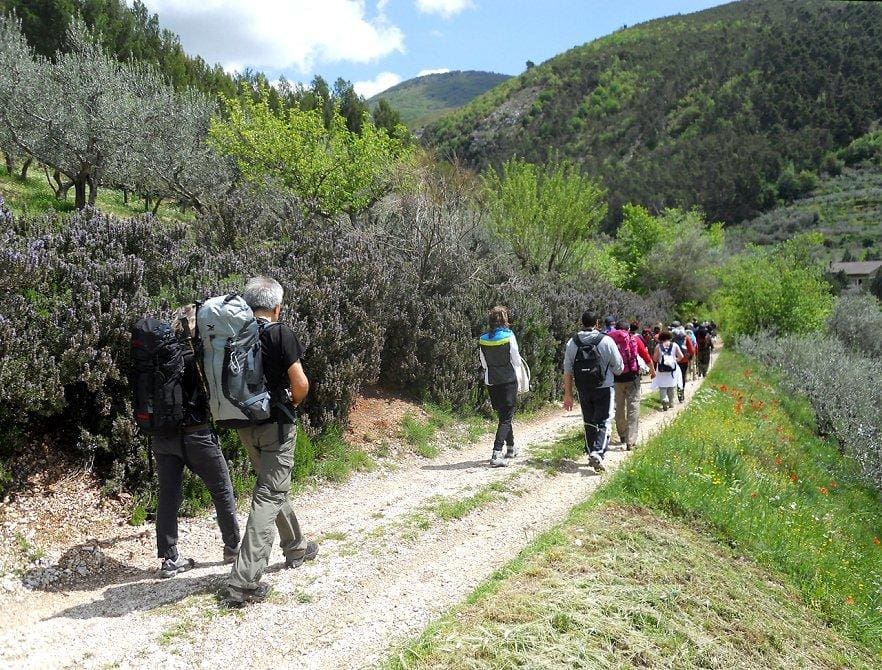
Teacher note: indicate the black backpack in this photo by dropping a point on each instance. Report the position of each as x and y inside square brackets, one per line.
[157, 377]
[588, 369]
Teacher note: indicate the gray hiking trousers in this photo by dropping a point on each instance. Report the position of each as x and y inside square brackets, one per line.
[271, 450]
[628, 410]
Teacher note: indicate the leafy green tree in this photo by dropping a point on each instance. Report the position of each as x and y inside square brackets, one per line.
[780, 289]
[675, 251]
[683, 261]
[636, 237]
[389, 119]
[328, 168]
[549, 214]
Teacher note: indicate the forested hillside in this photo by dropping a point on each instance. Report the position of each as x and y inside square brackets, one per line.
[706, 109]
[845, 206]
[424, 99]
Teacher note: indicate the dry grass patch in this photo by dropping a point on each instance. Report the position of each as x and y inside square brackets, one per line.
[622, 587]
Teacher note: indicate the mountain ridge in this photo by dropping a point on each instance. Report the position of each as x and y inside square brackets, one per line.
[700, 109]
[428, 97]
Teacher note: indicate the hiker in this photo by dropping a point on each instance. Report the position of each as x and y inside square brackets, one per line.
[270, 444]
[705, 347]
[684, 344]
[669, 375]
[591, 360]
[627, 384]
[500, 359]
[191, 444]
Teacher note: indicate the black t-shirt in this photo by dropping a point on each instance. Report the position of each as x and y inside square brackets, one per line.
[281, 349]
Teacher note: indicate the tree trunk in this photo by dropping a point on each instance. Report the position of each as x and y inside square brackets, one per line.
[156, 206]
[93, 191]
[79, 192]
[146, 203]
[10, 164]
[125, 196]
[24, 168]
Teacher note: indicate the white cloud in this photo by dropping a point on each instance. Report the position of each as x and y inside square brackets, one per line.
[280, 34]
[376, 85]
[445, 8]
[437, 70]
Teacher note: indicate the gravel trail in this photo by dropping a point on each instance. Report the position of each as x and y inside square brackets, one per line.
[388, 565]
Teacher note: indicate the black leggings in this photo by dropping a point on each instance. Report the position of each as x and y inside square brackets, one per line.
[201, 453]
[504, 399]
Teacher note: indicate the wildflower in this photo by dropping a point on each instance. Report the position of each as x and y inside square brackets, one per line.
[833, 484]
[849, 600]
[753, 495]
[724, 388]
[793, 477]
[824, 490]
[778, 460]
[877, 541]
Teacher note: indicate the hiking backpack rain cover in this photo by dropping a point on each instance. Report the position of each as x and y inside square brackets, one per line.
[233, 361]
[157, 377]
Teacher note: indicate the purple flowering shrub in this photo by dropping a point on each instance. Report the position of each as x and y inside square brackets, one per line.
[400, 299]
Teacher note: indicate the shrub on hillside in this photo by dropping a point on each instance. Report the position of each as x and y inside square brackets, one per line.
[404, 299]
[857, 321]
[781, 290]
[842, 386]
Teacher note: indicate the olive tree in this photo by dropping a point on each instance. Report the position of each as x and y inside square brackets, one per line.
[78, 114]
[172, 160]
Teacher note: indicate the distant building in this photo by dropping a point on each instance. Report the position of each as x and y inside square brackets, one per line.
[860, 275]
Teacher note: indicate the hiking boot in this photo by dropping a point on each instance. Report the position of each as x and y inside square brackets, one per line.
[595, 460]
[681, 396]
[308, 555]
[171, 567]
[511, 452]
[628, 447]
[239, 596]
[496, 460]
[230, 554]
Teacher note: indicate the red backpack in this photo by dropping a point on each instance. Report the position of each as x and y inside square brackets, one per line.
[627, 349]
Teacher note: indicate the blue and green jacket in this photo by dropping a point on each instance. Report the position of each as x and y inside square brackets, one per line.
[499, 356]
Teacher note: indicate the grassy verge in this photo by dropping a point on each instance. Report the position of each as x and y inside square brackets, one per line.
[421, 434]
[735, 538]
[34, 196]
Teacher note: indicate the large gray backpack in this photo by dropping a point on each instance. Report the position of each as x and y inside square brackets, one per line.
[233, 361]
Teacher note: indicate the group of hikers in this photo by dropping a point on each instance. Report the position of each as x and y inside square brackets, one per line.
[230, 362]
[605, 363]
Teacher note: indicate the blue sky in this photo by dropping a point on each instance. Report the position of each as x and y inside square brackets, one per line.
[376, 43]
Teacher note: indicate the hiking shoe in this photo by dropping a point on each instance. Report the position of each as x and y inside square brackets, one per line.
[595, 460]
[496, 460]
[239, 596]
[511, 452]
[308, 555]
[230, 554]
[628, 447]
[171, 567]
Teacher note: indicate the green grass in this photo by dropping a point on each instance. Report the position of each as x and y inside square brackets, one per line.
[736, 537]
[34, 196]
[420, 433]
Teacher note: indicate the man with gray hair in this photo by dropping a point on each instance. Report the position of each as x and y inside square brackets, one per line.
[270, 446]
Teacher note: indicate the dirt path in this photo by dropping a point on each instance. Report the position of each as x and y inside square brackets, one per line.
[394, 555]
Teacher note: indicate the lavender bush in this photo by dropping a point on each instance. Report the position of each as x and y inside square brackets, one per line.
[401, 298]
